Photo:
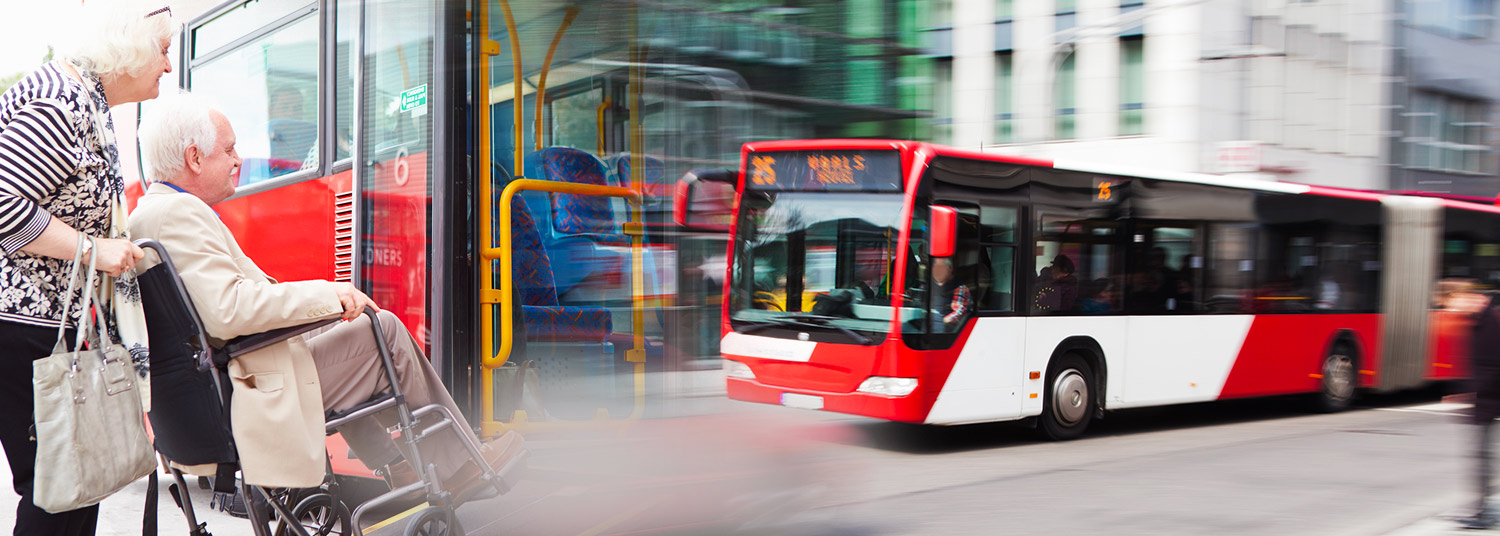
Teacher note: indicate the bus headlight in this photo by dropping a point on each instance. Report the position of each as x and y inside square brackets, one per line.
[736, 369]
[881, 385]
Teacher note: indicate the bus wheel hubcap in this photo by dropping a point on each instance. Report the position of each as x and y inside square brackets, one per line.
[1070, 397]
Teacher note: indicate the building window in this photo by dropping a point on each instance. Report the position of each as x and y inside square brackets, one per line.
[1132, 86]
[1127, 6]
[1064, 94]
[1067, 15]
[1466, 19]
[942, 100]
[1004, 111]
[1446, 133]
[941, 15]
[1003, 24]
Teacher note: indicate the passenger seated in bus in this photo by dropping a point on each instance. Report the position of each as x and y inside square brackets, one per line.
[282, 391]
[1056, 287]
[291, 135]
[951, 301]
[1098, 297]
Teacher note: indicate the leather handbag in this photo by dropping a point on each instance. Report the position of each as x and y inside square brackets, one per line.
[91, 438]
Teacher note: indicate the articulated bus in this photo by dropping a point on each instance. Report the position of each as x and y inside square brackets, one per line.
[924, 284]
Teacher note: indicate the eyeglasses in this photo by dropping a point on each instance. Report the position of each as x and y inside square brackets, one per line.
[164, 9]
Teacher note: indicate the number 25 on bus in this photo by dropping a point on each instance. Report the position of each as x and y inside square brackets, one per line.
[926, 284]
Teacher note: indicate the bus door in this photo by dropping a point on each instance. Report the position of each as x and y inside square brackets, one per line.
[971, 296]
[1076, 272]
[537, 307]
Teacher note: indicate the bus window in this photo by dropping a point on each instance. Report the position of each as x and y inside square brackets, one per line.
[1165, 276]
[268, 89]
[575, 120]
[347, 13]
[997, 238]
[1069, 251]
[961, 282]
[1231, 268]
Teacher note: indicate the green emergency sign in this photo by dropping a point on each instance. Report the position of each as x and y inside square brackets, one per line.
[414, 98]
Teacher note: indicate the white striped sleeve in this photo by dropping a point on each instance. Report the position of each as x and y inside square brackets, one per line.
[39, 149]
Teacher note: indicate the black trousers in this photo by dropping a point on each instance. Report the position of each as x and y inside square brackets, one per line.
[19, 345]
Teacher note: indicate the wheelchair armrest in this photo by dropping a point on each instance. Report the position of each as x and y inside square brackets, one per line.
[250, 343]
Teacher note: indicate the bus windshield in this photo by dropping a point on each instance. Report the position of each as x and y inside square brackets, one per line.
[817, 263]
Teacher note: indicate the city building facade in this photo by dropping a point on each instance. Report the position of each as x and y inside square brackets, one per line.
[1398, 94]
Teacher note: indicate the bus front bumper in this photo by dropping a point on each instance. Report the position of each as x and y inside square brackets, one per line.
[909, 408]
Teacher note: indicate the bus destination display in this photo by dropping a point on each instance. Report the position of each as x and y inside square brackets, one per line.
[846, 171]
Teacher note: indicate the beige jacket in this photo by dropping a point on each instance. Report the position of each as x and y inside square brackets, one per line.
[278, 406]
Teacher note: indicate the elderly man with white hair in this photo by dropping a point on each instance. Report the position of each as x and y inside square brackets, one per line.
[281, 391]
[61, 192]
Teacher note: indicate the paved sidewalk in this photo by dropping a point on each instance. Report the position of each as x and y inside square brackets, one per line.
[120, 515]
[693, 393]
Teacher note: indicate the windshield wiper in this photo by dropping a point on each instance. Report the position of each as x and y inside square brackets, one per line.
[813, 321]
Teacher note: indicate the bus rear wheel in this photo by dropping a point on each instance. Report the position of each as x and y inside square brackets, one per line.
[1068, 406]
[1336, 389]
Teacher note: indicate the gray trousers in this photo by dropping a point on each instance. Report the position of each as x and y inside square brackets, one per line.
[350, 372]
[1482, 457]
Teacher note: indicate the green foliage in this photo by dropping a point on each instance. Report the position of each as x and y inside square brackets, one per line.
[11, 79]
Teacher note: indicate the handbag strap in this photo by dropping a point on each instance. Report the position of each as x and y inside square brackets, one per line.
[89, 289]
[62, 325]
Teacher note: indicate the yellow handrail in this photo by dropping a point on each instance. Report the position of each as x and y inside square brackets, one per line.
[517, 102]
[487, 48]
[599, 121]
[541, 85]
[504, 296]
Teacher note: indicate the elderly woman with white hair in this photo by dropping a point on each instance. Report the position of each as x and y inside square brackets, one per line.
[60, 185]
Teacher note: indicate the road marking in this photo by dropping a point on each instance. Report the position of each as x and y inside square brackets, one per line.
[1441, 408]
[395, 518]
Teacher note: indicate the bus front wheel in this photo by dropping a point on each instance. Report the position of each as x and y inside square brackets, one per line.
[1068, 405]
[1336, 389]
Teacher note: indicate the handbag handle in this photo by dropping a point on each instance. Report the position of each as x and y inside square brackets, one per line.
[85, 318]
[67, 296]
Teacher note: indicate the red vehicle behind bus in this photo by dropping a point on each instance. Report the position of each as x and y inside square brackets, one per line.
[925, 284]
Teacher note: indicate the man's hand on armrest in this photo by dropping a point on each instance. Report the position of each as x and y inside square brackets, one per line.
[353, 300]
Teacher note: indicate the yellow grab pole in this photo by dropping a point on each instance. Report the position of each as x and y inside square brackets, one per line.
[599, 120]
[487, 314]
[541, 85]
[488, 297]
[637, 355]
[504, 252]
[519, 104]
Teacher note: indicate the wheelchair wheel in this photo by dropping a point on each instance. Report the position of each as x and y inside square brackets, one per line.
[320, 515]
[435, 521]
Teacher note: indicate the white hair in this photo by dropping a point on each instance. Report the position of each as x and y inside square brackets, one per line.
[117, 37]
[168, 127]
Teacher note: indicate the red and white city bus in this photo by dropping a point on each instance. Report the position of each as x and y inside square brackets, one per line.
[1083, 288]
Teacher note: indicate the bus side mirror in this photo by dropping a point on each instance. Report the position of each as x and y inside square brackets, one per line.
[704, 199]
[944, 231]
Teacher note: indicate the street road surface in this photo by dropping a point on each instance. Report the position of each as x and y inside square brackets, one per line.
[1244, 467]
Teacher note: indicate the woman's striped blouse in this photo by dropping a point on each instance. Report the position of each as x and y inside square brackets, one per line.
[56, 159]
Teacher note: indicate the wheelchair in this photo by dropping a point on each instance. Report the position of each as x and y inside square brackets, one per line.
[190, 419]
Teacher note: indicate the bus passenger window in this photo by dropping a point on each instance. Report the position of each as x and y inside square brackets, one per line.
[1230, 287]
[1076, 268]
[1166, 272]
[268, 89]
